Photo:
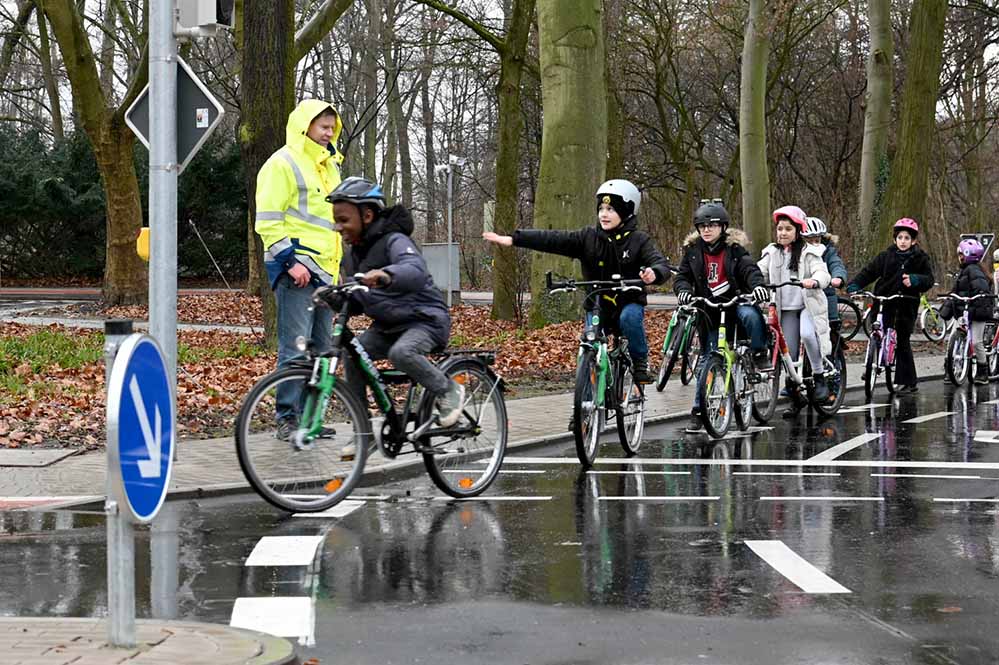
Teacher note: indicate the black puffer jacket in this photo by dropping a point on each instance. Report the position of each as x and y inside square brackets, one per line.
[972, 281]
[411, 298]
[623, 251]
[743, 273]
[887, 268]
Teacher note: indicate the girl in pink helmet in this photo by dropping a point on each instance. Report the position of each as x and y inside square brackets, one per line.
[902, 268]
[804, 312]
[972, 281]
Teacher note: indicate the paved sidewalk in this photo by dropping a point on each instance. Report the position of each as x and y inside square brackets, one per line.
[210, 466]
[62, 641]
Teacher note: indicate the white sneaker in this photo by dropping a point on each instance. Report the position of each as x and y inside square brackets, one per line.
[450, 405]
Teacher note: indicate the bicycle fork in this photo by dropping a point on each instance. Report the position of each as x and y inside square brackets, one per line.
[320, 389]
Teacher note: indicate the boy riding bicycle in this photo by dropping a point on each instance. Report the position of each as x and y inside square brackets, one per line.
[717, 266]
[410, 317]
[614, 246]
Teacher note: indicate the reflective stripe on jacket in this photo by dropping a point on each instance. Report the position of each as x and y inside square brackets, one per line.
[293, 218]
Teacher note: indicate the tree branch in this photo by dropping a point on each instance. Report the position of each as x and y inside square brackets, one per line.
[498, 44]
[319, 26]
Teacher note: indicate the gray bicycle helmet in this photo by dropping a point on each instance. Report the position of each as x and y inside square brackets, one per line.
[358, 191]
[814, 227]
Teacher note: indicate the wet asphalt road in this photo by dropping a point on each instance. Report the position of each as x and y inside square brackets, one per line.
[890, 563]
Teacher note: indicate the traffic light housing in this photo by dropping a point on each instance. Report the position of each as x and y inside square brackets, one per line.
[206, 13]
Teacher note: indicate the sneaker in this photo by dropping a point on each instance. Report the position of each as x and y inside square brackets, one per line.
[762, 360]
[450, 405]
[821, 390]
[982, 375]
[286, 429]
[694, 425]
[907, 390]
[641, 371]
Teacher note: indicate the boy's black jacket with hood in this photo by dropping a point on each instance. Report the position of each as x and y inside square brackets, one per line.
[740, 268]
[411, 298]
[622, 251]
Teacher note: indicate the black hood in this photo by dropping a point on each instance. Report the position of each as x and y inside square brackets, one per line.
[392, 220]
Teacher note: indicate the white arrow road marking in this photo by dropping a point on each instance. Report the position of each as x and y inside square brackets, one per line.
[928, 417]
[149, 468]
[789, 564]
[845, 447]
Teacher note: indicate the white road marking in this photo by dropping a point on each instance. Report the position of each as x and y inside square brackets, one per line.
[965, 500]
[341, 509]
[785, 473]
[928, 417]
[639, 473]
[284, 551]
[788, 563]
[822, 498]
[658, 498]
[281, 616]
[861, 407]
[502, 471]
[986, 436]
[864, 464]
[534, 460]
[924, 475]
[494, 498]
[845, 447]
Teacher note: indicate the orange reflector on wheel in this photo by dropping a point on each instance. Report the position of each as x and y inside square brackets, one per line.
[333, 485]
[465, 483]
[461, 379]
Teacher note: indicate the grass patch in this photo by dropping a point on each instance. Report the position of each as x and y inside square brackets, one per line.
[45, 348]
[199, 354]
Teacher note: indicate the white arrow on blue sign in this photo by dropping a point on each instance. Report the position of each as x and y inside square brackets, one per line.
[141, 426]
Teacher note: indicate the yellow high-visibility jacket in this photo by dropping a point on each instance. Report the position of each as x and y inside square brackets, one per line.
[293, 218]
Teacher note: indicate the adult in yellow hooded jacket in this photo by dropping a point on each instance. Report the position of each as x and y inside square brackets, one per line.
[295, 222]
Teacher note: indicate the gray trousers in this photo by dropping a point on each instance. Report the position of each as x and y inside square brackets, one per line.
[408, 352]
[799, 327]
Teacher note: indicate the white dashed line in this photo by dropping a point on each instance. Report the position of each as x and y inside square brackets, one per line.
[494, 498]
[822, 498]
[658, 498]
[501, 471]
[788, 563]
[284, 551]
[928, 417]
[924, 475]
[638, 473]
[785, 473]
[965, 500]
[861, 407]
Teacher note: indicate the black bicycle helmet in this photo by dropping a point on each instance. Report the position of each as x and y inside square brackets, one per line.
[711, 210]
[358, 191]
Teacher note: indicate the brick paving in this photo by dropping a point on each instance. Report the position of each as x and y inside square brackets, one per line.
[210, 466]
[64, 641]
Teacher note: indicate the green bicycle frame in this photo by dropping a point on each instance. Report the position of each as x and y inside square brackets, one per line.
[726, 352]
[599, 348]
[688, 325]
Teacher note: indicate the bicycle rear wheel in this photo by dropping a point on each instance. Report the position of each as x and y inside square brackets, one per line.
[849, 316]
[744, 393]
[956, 362]
[767, 393]
[716, 398]
[870, 368]
[670, 356]
[587, 417]
[630, 411]
[934, 326]
[835, 372]
[313, 475]
[463, 460]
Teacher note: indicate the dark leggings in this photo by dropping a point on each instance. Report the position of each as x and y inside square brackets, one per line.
[904, 323]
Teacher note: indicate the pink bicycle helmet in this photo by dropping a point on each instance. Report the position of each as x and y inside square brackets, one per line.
[906, 224]
[795, 214]
[971, 250]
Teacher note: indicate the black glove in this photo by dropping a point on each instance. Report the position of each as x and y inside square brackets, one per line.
[685, 297]
[761, 294]
[329, 296]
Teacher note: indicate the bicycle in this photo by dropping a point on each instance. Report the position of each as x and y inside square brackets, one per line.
[309, 470]
[881, 342]
[605, 382]
[850, 317]
[723, 385]
[683, 342]
[800, 373]
[961, 346]
[934, 326]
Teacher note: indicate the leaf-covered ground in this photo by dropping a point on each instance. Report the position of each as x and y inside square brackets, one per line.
[52, 378]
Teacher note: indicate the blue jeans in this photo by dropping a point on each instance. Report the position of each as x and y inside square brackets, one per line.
[296, 317]
[631, 321]
[750, 321]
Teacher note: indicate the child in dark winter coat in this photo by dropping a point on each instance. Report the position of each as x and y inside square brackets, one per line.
[716, 265]
[614, 246]
[972, 281]
[904, 269]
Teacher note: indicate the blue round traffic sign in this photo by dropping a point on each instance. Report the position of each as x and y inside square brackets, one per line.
[141, 426]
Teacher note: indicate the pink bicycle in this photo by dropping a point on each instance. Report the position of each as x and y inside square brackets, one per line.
[881, 343]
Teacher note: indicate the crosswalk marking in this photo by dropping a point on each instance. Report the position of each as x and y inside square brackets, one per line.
[845, 447]
[341, 509]
[280, 616]
[284, 551]
[788, 563]
[928, 417]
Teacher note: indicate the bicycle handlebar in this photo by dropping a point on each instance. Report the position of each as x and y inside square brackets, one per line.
[326, 294]
[742, 297]
[875, 296]
[954, 296]
[570, 285]
[793, 282]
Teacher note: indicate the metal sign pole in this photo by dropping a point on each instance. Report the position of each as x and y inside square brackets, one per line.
[450, 228]
[163, 169]
[120, 534]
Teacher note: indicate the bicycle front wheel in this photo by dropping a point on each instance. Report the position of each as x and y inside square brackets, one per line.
[691, 355]
[767, 393]
[835, 372]
[744, 393]
[463, 460]
[956, 362]
[671, 353]
[587, 417]
[716, 398]
[934, 326]
[630, 411]
[278, 459]
[849, 316]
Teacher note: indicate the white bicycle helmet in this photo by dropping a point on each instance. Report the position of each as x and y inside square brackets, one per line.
[629, 197]
[814, 227]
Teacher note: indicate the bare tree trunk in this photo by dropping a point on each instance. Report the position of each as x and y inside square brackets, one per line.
[51, 86]
[371, 89]
[615, 114]
[267, 97]
[574, 139]
[430, 161]
[25, 8]
[107, 49]
[910, 165]
[877, 117]
[755, 175]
